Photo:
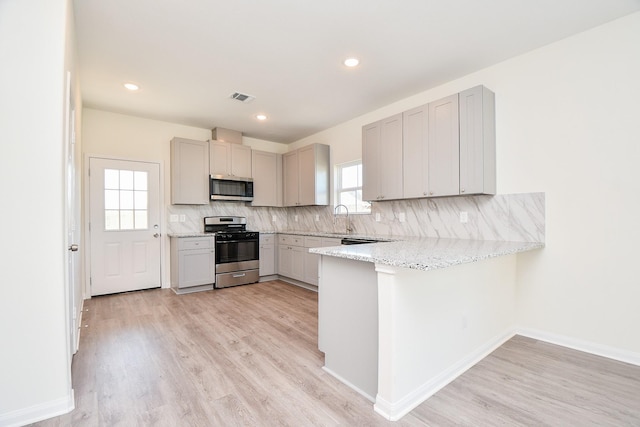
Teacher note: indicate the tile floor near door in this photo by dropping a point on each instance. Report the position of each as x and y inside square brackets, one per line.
[247, 356]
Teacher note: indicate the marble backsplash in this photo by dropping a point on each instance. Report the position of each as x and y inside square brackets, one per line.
[507, 217]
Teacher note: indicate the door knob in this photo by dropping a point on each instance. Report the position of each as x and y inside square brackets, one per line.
[156, 235]
[73, 248]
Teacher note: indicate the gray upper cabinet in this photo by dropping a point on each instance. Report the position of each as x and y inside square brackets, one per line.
[229, 159]
[266, 170]
[444, 148]
[382, 159]
[415, 140]
[306, 176]
[443, 164]
[189, 172]
[477, 141]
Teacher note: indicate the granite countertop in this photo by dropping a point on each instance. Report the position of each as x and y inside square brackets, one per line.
[191, 234]
[427, 253]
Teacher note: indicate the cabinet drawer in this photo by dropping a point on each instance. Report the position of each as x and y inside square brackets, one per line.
[312, 242]
[331, 241]
[289, 239]
[267, 239]
[187, 243]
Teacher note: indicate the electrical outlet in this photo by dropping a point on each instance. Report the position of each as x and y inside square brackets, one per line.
[174, 218]
[317, 218]
[464, 217]
[402, 217]
[183, 218]
[295, 218]
[273, 218]
[465, 322]
[377, 216]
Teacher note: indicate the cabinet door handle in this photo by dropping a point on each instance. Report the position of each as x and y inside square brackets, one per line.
[239, 275]
[431, 193]
[462, 190]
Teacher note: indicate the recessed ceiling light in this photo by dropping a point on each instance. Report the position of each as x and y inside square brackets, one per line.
[131, 86]
[351, 62]
[261, 117]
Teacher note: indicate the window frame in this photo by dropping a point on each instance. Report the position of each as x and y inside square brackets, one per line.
[338, 189]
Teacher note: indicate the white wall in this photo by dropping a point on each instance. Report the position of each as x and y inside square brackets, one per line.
[567, 125]
[35, 357]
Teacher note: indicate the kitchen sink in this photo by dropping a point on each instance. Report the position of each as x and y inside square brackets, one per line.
[356, 241]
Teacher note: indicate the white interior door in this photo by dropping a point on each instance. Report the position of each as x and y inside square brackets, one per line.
[124, 225]
[72, 214]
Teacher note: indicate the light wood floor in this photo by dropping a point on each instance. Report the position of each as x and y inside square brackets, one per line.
[247, 356]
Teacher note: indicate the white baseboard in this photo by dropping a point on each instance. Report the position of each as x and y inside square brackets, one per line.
[582, 345]
[347, 383]
[393, 411]
[39, 412]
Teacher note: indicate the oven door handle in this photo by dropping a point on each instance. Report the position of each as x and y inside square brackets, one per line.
[236, 241]
[239, 275]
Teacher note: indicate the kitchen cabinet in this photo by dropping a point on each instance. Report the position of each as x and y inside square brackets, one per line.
[189, 172]
[415, 145]
[311, 260]
[266, 170]
[477, 141]
[192, 264]
[382, 159]
[443, 164]
[448, 149]
[229, 160]
[267, 255]
[291, 256]
[306, 176]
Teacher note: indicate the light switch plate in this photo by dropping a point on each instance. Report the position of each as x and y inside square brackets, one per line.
[402, 217]
[183, 218]
[295, 218]
[174, 218]
[464, 217]
[377, 216]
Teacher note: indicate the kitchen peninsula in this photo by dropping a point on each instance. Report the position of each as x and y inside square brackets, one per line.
[399, 320]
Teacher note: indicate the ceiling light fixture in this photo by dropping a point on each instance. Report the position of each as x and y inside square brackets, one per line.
[261, 117]
[351, 62]
[131, 86]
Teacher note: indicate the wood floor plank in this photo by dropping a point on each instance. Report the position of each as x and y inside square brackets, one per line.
[247, 356]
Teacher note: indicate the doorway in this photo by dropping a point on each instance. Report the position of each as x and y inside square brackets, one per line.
[124, 225]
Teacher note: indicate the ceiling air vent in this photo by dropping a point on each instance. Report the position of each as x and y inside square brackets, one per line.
[242, 97]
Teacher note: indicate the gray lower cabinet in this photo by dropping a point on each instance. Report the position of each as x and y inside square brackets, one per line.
[291, 256]
[267, 255]
[294, 259]
[192, 264]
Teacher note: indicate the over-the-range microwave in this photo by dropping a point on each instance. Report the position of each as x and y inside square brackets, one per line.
[231, 188]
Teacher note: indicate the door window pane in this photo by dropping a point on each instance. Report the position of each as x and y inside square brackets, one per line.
[126, 220]
[111, 220]
[124, 208]
[111, 179]
[126, 180]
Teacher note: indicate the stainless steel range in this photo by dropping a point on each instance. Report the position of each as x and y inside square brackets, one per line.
[237, 250]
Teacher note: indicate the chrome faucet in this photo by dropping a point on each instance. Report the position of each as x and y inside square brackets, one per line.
[335, 214]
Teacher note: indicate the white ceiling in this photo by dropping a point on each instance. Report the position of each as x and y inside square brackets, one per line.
[188, 56]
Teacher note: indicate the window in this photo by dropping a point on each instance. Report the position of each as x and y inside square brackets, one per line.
[125, 200]
[349, 187]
